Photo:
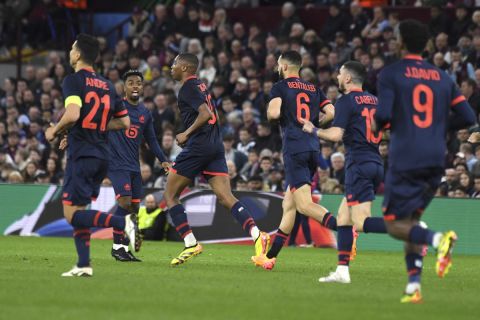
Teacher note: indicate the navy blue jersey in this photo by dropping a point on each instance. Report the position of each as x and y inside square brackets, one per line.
[300, 100]
[125, 144]
[99, 103]
[192, 95]
[354, 113]
[416, 98]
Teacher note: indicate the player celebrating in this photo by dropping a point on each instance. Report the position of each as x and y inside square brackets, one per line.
[203, 153]
[124, 168]
[90, 102]
[416, 98]
[364, 167]
[293, 101]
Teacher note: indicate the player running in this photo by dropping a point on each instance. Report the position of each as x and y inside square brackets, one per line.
[203, 153]
[124, 167]
[364, 167]
[417, 98]
[90, 102]
[292, 102]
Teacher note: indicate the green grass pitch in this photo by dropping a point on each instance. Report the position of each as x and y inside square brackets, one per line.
[221, 283]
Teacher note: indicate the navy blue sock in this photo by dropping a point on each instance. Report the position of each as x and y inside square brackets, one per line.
[329, 221]
[419, 235]
[118, 235]
[414, 263]
[92, 218]
[241, 214]
[306, 229]
[374, 225]
[296, 226]
[278, 242]
[344, 243]
[179, 219]
[82, 243]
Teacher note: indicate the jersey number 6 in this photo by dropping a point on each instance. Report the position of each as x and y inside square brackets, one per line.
[88, 122]
[302, 105]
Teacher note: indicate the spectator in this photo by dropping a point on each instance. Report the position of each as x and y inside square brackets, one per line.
[336, 22]
[266, 139]
[374, 29]
[147, 177]
[439, 22]
[162, 114]
[161, 26]
[252, 164]
[449, 182]
[476, 192]
[233, 174]
[231, 154]
[338, 167]
[288, 19]
[460, 70]
[460, 24]
[466, 182]
[358, 20]
[255, 183]
[152, 221]
[139, 24]
[246, 142]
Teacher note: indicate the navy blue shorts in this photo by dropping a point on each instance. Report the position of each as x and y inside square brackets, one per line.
[409, 192]
[361, 181]
[190, 163]
[300, 168]
[83, 177]
[126, 184]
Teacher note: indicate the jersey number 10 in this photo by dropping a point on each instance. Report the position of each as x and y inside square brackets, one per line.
[369, 115]
[88, 122]
[212, 109]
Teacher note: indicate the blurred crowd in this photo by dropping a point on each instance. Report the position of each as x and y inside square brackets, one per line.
[238, 64]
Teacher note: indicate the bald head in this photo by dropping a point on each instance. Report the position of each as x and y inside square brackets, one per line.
[150, 202]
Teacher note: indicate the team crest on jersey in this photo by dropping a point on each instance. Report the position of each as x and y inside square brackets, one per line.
[141, 119]
[127, 187]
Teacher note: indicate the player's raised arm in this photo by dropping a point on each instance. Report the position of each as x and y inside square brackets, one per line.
[274, 109]
[462, 115]
[151, 139]
[120, 119]
[386, 97]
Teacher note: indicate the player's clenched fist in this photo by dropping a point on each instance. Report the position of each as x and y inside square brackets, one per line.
[474, 137]
[307, 126]
[182, 139]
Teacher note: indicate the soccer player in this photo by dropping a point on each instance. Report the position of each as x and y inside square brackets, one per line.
[202, 153]
[292, 102]
[92, 108]
[364, 167]
[124, 168]
[416, 98]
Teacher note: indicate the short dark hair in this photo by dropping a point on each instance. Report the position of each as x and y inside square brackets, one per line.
[357, 71]
[131, 73]
[292, 57]
[266, 158]
[89, 48]
[228, 137]
[189, 58]
[414, 35]
[471, 83]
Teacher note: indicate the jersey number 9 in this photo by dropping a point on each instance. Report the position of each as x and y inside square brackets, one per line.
[425, 107]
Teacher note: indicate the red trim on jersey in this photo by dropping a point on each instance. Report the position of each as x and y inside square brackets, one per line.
[389, 217]
[457, 100]
[293, 189]
[121, 113]
[107, 221]
[191, 77]
[172, 170]
[281, 235]
[294, 77]
[97, 216]
[387, 126]
[413, 57]
[324, 103]
[93, 199]
[186, 234]
[88, 69]
[352, 203]
[67, 202]
[356, 90]
[135, 200]
[210, 173]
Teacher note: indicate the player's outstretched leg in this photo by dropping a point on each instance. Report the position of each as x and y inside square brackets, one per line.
[268, 261]
[221, 187]
[303, 199]
[175, 185]
[414, 262]
[345, 242]
[413, 232]
[120, 248]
